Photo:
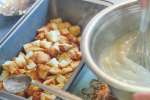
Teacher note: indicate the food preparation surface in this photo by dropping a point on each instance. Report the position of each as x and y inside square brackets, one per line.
[69, 12]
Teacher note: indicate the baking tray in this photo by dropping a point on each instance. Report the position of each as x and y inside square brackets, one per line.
[9, 23]
[76, 11]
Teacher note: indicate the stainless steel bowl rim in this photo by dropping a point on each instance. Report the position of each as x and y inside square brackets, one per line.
[85, 41]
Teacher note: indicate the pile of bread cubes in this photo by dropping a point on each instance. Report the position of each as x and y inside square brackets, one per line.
[50, 59]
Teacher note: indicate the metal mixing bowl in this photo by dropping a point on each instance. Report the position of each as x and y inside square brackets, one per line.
[102, 31]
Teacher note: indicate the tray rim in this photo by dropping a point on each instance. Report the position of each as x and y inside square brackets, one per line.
[9, 33]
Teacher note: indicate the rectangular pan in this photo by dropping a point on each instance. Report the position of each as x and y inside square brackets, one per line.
[76, 11]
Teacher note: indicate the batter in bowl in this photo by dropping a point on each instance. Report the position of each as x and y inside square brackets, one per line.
[115, 62]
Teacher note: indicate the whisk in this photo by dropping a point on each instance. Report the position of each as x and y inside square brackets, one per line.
[139, 52]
